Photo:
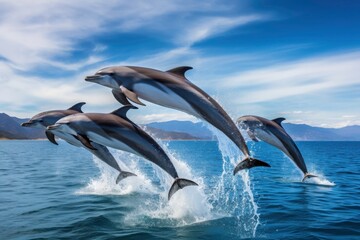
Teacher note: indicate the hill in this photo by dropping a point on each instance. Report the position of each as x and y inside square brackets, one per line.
[10, 129]
[299, 132]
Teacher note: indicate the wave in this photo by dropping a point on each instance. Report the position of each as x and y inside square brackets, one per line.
[231, 196]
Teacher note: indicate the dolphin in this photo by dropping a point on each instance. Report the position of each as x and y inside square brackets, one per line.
[171, 89]
[117, 131]
[272, 132]
[45, 119]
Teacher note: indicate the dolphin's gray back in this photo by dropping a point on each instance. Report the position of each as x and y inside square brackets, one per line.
[145, 146]
[213, 113]
[101, 151]
[291, 149]
[104, 154]
[135, 138]
[202, 105]
[50, 117]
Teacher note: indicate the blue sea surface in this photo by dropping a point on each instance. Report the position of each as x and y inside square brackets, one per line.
[63, 192]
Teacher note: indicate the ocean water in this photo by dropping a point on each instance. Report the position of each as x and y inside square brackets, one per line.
[63, 192]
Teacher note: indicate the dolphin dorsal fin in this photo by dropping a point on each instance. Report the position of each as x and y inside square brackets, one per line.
[179, 71]
[121, 112]
[77, 107]
[278, 121]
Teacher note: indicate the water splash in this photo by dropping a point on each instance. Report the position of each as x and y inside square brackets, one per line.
[291, 173]
[231, 197]
[105, 184]
[187, 206]
[234, 197]
[320, 180]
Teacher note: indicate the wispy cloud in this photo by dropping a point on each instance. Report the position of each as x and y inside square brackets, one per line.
[33, 37]
[163, 117]
[45, 35]
[317, 74]
[67, 40]
[212, 26]
[348, 116]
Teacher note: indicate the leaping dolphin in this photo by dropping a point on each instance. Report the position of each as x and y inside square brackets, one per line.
[45, 119]
[172, 89]
[117, 131]
[272, 132]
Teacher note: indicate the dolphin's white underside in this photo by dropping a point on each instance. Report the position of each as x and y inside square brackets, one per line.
[111, 142]
[68, 138]
[166, 98]
[271, 139]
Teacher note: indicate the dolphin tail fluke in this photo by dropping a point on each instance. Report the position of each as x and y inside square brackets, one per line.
[308, 175]
[250, 163]
[180, 183]
[123, 175]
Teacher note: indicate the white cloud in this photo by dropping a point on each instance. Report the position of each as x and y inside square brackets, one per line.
[35, 31]
[40, 34]
[163, 117]
[44, 33]
[284, 80]
[348, 116]
[297, 112]
[99, 48]
[212, 26]
[173, 57]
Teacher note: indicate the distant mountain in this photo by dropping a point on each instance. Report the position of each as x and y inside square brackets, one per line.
[303, 132]
[299, 132]
[197, 130]
[10, 129]
[169, 135]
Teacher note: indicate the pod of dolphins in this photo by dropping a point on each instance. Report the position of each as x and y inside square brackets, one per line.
[97, 131]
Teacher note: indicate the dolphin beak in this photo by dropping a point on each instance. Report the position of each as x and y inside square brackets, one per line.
[92, 78]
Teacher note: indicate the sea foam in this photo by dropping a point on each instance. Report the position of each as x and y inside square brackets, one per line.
[231, 196]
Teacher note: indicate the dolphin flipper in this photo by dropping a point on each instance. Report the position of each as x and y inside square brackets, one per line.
[131, 95]
[85, 141]
[308, 175]
[51, 137]
[180, 183]
[120, 97]
[250, 163]
[123, 175]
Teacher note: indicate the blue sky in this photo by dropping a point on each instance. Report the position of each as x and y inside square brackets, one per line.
[296, 59]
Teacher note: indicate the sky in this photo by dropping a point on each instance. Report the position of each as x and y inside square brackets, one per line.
[294, 59]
